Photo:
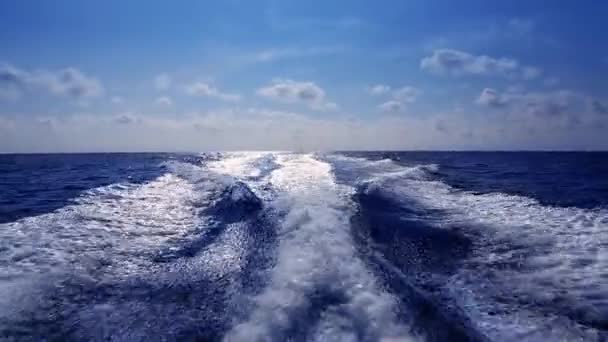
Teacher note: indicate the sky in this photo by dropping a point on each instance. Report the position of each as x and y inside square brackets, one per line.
[113, 75]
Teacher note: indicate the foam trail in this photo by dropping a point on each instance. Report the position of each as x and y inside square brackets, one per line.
[534, 258]
[317, 265]
[249, 167]
[124, 219]
[110, 233]
[198, 275]
[238, 164]
[545, 255]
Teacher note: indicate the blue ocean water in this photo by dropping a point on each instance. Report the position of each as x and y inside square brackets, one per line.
[265, 246]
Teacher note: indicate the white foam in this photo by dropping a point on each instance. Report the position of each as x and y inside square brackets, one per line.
[554, 255]
[114, 227]
[316, 254]
[238, 164]
[112, 235]
[375, 171]
[246, 167]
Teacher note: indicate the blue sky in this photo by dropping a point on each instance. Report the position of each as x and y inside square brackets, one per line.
[208, 75]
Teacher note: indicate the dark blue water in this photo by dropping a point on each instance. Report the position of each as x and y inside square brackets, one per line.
[33, 184]
[553, 178]
[437, 246]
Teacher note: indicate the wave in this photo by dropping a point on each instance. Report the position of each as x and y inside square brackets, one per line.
[529, 260]
[318, 288]
[198, 224]
[222, 193]
[373, 172]
[123, 218]
[242, 164]
[278, 246]
[124, 221]
[252, 168]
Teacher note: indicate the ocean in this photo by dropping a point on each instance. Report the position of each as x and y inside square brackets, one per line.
[277, 246]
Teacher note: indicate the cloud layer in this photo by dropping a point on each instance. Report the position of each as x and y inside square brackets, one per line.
[207, 90]
[255, 128]
[459, 63]
[550, 111]
[275, 54]
[69, 82]
[542, 104]
[399, 98]
[379, 89]
[289, 91]
[489, 97]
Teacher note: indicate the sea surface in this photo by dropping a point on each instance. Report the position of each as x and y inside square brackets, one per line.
[281, 246]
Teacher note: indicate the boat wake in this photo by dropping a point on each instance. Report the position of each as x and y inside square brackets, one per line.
[274, 246]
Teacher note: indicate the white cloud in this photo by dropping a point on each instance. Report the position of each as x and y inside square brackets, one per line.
[564, 105]
[162, 81]
[207, 90]
[164, 101]
[70, 82]
[455, 62]
[399, 98]
[407, 94]
[459, 63]
[392, 106]
[292, 91]
[13, 77]
[550, 104]
[63, 82]
[289, 91]
[380, 89]
[275, 54]
[489, 97]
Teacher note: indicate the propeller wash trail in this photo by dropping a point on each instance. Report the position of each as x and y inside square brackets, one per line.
[275, 246]
[318, 287]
